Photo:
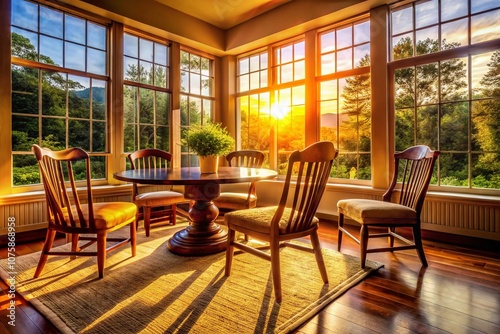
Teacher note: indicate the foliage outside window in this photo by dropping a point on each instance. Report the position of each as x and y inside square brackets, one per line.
[344, 97]
[59, 87]
[197, 98]
[146, 94]
[450, 99]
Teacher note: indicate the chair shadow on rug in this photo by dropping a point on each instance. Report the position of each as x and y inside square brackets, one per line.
[161, 292]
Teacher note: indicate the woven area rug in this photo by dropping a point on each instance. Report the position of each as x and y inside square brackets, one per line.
[159, 292]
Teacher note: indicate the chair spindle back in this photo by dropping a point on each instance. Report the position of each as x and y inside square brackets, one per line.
[58, 170]
[412, 171]
[312, 167]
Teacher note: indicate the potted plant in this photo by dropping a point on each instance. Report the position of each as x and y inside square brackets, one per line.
[209, 142]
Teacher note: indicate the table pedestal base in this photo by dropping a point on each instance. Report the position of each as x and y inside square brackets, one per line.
[203, 236]
[192, 243]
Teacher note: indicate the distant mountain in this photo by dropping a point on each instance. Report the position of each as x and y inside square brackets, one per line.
[98, 94]
[330, 119]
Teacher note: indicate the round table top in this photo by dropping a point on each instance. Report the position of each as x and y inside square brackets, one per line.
[192, 175]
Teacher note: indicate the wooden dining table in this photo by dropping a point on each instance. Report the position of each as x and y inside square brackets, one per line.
[203, 236]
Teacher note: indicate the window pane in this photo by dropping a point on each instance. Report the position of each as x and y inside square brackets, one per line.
[344, 60]
[452, 9]
[146, 72]
[402, 47]
[362, 55]
[131, 46]
[51, 51]
[73, 55]
[425, 13]
[344, 37]
[454, 133]
[328, 42]
[161, 54]
[51, 22]
[98, 99]
[146, 49]
[75, 29]
[427, 126]
[24, 90]
[453, 169]
[402, 20]
[427, 40]
[96, 36]
[328, 64]
[96, 61]
[24, 133]
[24, 44]
[362, 32]
[454, 80]
[427, 84]
[454, 34]
[131, 69]
[79, 134]
[25, 15]
[78, 97]
[480, 5]
[53, 93]
[485, 27]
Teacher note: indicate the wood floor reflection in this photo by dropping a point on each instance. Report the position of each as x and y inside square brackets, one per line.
[458, 293]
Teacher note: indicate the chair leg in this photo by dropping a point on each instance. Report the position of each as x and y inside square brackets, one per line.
[133, 237]
[363, 243]
[276, 272]
[391, 237]
[319, 256]
[147, 219]
[101, 253]
[229, 251]
[173, 215]
[417, 238]
[75, 237]
[49, 240]
[340, 224]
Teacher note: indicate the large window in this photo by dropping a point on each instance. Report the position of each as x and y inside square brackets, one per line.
[197, 97]
[254, 103]
[275, 110]
[344, 97]
[446, 88]
[59, 86]
[146, 94]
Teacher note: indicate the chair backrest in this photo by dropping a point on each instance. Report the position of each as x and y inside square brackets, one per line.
[61, 171]
[412, 174]
[245, 158]
[149, 158]
[312, 167]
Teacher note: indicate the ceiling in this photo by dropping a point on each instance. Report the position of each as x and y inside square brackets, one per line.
[223, 13]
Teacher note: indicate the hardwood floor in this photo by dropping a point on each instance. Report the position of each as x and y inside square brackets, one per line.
[458, 293]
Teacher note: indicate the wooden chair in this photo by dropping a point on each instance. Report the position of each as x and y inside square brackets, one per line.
[73, 211]
[156, 204]
[401, 205]
[228, 201]
[293, 218]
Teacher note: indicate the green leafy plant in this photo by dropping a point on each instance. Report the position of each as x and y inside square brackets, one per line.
[209, 139]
